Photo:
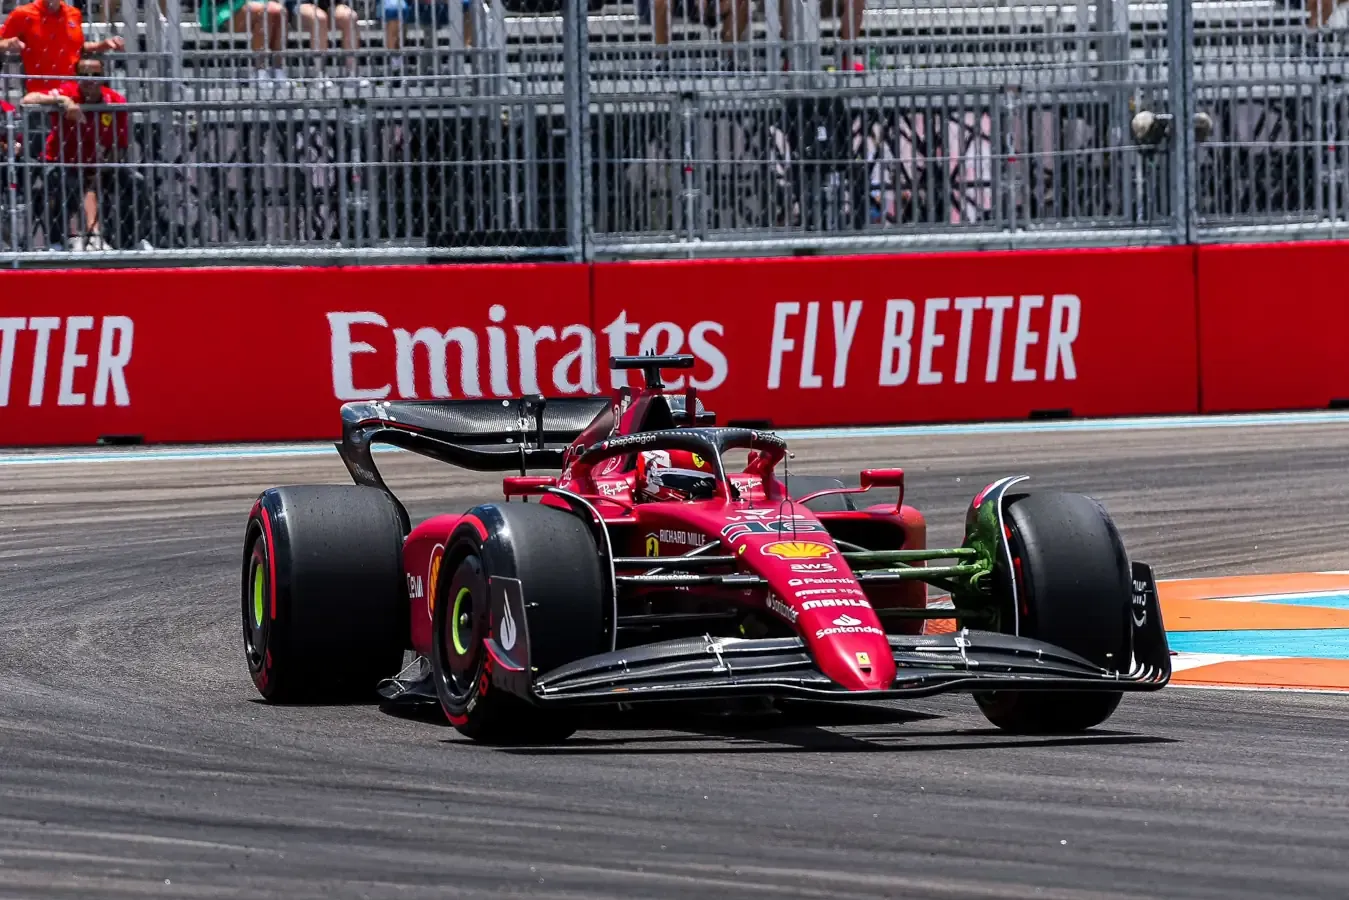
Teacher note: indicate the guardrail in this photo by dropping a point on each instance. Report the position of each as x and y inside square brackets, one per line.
[571, 129]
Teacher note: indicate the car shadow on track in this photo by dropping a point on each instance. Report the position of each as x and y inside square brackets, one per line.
[801, 728]
[815, 740]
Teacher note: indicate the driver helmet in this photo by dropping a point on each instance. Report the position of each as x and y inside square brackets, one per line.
[674, 475]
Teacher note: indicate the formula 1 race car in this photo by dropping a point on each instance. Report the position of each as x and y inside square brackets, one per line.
[648, 571]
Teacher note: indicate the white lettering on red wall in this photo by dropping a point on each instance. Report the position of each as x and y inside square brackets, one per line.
[501, 359]
[931, 343]
[85, 357]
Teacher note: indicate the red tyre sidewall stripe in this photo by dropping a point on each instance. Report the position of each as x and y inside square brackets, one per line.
[477, 525]
[271, 558]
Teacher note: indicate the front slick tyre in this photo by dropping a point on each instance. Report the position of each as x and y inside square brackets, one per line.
[1075, 589]
[554, 556]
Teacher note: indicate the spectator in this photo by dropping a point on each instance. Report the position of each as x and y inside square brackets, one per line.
[733, 27]
[85, 161]
[265, 20]
[397, 13]
[849, 13]
[50, 36]
[314, 20]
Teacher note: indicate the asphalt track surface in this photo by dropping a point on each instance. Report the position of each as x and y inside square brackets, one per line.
[135, 759]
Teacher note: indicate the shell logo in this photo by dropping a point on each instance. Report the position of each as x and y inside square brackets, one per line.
[433, 573]
[797, 550]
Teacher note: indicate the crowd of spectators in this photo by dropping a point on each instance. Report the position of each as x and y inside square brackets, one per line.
[48, 34]
[85, 188]
[85, 193]
[63, 70]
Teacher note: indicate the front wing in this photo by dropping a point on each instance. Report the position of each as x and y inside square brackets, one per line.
[708, 668]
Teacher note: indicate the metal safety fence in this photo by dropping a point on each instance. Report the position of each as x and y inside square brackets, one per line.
[235, 130]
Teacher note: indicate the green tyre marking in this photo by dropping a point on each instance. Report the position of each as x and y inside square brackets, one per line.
[258, 583]
[454, 627]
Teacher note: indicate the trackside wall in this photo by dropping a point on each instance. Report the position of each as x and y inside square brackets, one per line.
[202, 355]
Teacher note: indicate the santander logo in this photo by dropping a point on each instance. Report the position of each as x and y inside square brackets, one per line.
[373, 359]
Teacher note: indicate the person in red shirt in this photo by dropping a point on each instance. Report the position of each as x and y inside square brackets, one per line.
[84, 155]
[50, 36]
[86, 138]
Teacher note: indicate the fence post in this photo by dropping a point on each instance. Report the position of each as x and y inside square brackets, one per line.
[10, 243]
[1180, 87]
[576, 90]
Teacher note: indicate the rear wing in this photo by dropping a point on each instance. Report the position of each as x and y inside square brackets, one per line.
[484, 435]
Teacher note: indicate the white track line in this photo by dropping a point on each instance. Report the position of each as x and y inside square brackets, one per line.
[78, 456]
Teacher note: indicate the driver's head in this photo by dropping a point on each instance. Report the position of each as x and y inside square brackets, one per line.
[674, 475]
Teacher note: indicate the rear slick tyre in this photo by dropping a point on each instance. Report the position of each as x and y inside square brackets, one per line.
[554, 556]
[1074, 586]
[325, 610]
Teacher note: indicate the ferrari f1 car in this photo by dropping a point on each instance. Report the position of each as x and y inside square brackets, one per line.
[648, 570]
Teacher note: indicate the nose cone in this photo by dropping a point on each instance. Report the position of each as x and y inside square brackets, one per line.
[851, 648]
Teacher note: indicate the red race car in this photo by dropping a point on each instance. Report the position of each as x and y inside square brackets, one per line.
[648, 570]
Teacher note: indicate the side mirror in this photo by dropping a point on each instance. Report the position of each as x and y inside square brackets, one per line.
[525, 485]
[882, 478]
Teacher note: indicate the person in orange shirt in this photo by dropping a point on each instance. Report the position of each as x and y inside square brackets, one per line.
[50, 36]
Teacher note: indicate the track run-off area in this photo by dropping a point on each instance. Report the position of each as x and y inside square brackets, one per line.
[137, 760]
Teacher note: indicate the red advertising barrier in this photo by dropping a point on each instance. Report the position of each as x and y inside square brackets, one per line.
[945, 337]
[1274, 320]
[201, 355]
[267, 354]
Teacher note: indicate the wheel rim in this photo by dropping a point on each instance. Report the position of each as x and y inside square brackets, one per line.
[258, 584]
[463, 628]
[255, 607]
[459, 617]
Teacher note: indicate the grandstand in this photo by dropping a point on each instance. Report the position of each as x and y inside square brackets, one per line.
[973, 123]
